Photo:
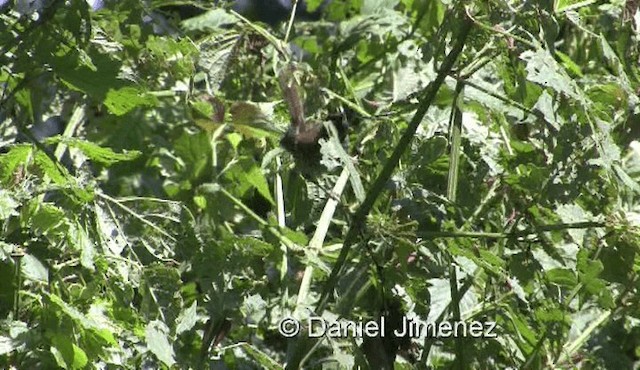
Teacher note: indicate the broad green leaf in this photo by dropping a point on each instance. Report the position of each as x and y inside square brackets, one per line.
[312, 5]
[7, 345]
[73, 313]
[58, 174]
[96, 153]
[80, 240]
[262, 358]
[157, 338]
[46, 219]
[543, 69]
[8, 205]
[562, 277]
[10, 161]
[33, 269]
[68, 354]
[211, 20]
[187, 319]
[123, 100]
[215, 54]
[373, 6]
[569, 64]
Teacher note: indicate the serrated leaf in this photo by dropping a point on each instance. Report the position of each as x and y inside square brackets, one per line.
[542, 68]
[187, 319]
[210, 20]
[262, 358]
[10, 161]
[80, 239]
[440, 293]
[68, 354]
[78, 317]
[111, 235]
[7, 345]
[124, 100]
[8, 205]
[156, 335]
[33, 269]
[59, 175]
[97, 153]
[562, 277]
[215, 53]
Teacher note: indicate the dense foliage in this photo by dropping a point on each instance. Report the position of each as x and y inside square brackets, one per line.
[480, 163]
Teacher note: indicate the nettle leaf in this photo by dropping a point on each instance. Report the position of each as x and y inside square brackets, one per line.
[254, 120]
[210, 20]
[8, 205]
[407, 79]
[187, 319]
[215, 54]
[70, 311]
[516, 287]
[247, 174]
[92, 73]
[112, 236]
[621, 76]
[33, 269]
[562, 277]
[545, 106]
[195, 151]
[10, 161]
[545, 260]
[312, 5]
[440, 293]
[123, 100]
[96, 153]
[254, 308]
[47, 219]
[57, 174]
[157, 337]
[373, 6]
[542, 69]
[571, 213]
[67, 354]
[262, 358]
[159, 290]
[80, 239]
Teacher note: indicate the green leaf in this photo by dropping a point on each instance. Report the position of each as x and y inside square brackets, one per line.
[67, 354]
[247, 174]
[80, 239]
[156, 336]
[33, 269]
[59, 175]
[374, 6]
[123, 100]
[96, 153]
[542, 69]
[73, 313]
[187, 319]
[47, 219]
[562, 277]
[10, 161]
[8, 205]
[262, 358]
[312, 5]
[215, 53]
[7, 345]
[210, 20]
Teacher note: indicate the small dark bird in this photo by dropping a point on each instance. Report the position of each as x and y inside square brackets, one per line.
[302, 139]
